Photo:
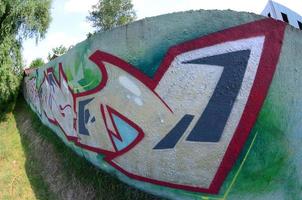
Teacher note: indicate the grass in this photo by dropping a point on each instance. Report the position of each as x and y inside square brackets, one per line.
[35, 164]
[18, 169]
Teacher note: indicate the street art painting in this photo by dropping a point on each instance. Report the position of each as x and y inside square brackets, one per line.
[183, 127]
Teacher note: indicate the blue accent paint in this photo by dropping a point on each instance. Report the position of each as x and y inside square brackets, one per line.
[210, 125]
[51, 80]
[127, 133]
[170, 140]
[87, 115]
[83, 116]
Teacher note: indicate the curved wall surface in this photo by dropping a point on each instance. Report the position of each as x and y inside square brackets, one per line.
[198, 104]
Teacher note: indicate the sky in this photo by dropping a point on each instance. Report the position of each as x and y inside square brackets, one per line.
[69, 25]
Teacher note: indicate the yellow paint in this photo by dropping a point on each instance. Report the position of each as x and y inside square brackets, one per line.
[81, 87]
[235, 177]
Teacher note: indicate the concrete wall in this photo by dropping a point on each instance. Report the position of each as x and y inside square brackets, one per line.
[198, 104]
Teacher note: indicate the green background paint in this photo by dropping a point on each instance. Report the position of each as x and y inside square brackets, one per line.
[272, 169]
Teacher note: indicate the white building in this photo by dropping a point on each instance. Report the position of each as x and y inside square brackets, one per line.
[280, 12]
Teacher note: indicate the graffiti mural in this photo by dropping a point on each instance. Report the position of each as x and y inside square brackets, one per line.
[185, 126]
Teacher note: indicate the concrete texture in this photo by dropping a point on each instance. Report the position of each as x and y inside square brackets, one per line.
[170, 104]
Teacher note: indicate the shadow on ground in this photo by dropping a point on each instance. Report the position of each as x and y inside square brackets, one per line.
[55, 172]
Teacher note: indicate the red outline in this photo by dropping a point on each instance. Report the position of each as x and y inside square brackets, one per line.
[135, 126]
[117, 134]
[273, 32]
[99, 57]
[109, 155]
[108, 130]
[55, 122]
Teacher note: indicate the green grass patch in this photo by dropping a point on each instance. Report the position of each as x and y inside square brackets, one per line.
[19, 174]
[25, 164]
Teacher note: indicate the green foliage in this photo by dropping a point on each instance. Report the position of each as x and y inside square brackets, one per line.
[19, 19]
[24, 18]
[9, 84]
[107, 14]
[56, 52]
[88, 35]
[38, 62]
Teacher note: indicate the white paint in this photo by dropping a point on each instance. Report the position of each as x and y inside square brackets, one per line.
[129, 85]
[187, 89]
[138, 101]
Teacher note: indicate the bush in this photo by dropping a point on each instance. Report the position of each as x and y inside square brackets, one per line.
[9, 89]
[19, 20]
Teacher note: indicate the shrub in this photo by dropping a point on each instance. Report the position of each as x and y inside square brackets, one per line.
[9, 89]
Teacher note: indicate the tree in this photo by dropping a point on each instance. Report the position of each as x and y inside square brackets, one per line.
[38, 62]
[56, 52]
[107, 14]
[19, 19]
